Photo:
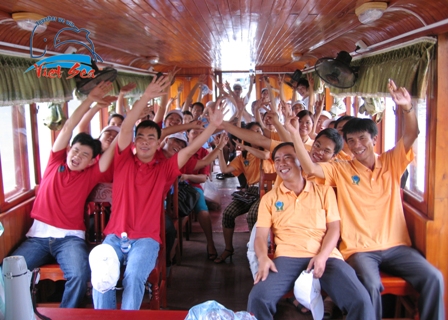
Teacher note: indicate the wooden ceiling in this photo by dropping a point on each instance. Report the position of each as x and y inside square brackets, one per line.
[221, 34]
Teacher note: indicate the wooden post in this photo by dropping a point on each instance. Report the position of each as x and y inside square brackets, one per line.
[437, 227]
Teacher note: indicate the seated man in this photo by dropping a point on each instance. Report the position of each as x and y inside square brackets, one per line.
[138, 192]
[305, 221]
[58, 230]
[374, 233]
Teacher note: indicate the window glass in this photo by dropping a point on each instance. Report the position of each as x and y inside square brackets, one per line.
[44, 134]
[29, 143]
[14, 151]
[390, 124]
[417, 169]
[7, 150]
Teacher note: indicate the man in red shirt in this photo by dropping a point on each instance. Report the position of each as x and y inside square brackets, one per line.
[58, 230]
[138, 193]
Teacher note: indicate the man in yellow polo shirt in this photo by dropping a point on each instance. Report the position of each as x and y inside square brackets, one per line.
[373, 228]
[305, 220]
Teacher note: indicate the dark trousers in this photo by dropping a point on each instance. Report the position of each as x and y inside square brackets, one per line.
[339, 281]
[407, 263]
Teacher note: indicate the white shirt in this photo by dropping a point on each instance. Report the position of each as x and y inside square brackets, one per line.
[40, 229]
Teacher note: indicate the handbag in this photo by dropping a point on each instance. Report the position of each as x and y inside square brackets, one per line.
[188, 197]
[245, 196]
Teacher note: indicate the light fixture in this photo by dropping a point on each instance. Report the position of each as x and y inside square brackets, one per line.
[153, 60]
[28, 20]
[295, 56]
[370, 11]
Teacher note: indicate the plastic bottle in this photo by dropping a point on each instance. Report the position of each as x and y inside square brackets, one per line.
[125, 244]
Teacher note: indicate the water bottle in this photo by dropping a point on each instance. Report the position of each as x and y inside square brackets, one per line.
[125, 244]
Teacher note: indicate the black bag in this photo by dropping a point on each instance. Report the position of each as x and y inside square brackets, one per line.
[245, 196]
[188, 197]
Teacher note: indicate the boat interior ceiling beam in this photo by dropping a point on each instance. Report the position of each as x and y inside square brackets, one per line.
[222, 35]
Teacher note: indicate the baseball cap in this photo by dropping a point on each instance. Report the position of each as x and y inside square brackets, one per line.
[105, 267]
[327, 114]
[307, 292]
[179, 136]
[176, 111]
[110, 128]
[237, 85]
[264, 89]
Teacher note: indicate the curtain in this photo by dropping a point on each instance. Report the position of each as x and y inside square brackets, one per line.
[407, 66]
[18, 87]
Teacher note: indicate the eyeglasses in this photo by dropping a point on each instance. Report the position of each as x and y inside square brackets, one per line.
[317, 147]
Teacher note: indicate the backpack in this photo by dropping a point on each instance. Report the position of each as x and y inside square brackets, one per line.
[188, 197]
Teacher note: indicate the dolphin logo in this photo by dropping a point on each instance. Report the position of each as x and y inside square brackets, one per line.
[57, 42]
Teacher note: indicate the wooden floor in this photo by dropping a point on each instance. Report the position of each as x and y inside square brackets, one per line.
[198, 280]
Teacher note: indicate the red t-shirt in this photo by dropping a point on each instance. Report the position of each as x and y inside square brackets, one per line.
[200, 154]
[138, 194]
[63, 193]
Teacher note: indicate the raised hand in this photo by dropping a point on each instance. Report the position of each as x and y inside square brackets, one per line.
[180, 88]
[310, 79]
[239, 145]
[400, 95]
[128, 88]
[156, 87]
[221, 140]
[100, 91]
[217, 115]
[292, 123]
[106, 101]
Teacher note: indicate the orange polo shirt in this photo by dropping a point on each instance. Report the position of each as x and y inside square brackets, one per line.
[369, 202]
[275, 135]
[343, 156]
[299, 222]
[251, 167]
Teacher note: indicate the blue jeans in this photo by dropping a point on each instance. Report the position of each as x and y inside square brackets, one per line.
[405, 262]
[140, 261]
[72, 256]
[339, 281]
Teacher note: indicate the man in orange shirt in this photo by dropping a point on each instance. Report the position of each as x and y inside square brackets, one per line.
[373, 228]
[305, 220]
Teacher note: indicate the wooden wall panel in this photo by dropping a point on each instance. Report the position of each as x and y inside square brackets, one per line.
[16, 222]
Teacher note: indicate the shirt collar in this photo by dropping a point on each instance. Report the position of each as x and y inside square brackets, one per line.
[361, 167]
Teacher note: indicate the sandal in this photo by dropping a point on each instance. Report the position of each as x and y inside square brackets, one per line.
[212, 256]
[220, 176]
[298, 306]
[223, 257]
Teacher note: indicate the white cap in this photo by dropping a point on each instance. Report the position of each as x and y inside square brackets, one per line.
[105, 267]
[179, 136]
[307, 292]
[110, 128]
[176, 111]
[327, 114]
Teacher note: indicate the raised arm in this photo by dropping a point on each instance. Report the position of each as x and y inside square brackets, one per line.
[83, 125]
[122, 105]
[189, 99]
[154, 89]
[312, 99]
[220, 143]
[260, 154]
[402, 99]
[282, 132]
[309, 167]
[181, 127]
[248, 135]
[96, 95]
[216, 117]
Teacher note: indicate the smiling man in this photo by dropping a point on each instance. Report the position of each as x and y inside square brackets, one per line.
[305, 220]
[138, 192]
[58, 230]
[374, 232]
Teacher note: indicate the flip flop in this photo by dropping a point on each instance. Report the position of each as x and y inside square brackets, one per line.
[298, 306]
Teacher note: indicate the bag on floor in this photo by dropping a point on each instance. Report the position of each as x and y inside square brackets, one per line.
[188, 197]
[211, 192]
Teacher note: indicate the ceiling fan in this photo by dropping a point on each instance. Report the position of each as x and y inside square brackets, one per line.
[337, 71]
